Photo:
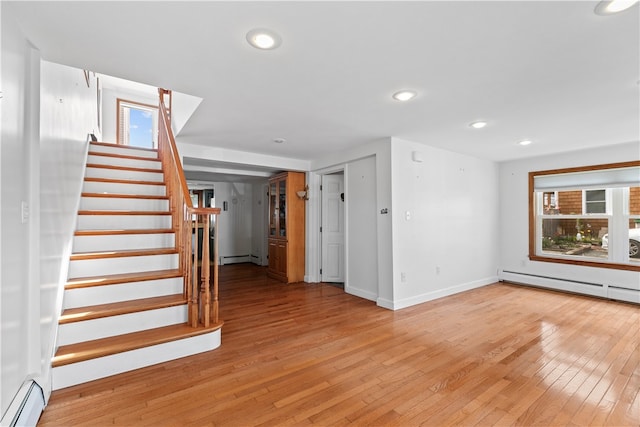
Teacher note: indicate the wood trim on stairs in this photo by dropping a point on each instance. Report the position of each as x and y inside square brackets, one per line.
[124, 212]
[80, 314]
[125, 196]
[114, 279]
[128, 147]
[77, 256]
[123, 168]
[74, 353]
[123, 156]
[124, 181]
[119, 232]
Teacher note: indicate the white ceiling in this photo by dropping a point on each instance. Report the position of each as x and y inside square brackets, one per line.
[550, 71]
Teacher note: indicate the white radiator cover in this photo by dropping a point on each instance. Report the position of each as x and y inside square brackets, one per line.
[26, 408]
[602, 290]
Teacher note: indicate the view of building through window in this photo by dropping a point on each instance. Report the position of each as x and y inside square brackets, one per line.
[590, 215]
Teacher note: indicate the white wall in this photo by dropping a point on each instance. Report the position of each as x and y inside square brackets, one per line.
[48, 110]
[362, 261]
[18, 315]
[236, 224]
[445, 223]
[68, 113]
[361, 224]
[514, 210]
[259, 214]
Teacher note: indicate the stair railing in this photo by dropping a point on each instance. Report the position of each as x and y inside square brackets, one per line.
[200, 289]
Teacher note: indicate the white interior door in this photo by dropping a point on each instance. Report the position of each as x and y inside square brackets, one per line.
[332, 234]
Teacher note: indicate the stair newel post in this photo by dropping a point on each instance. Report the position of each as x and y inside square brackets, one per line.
[205, 272]
[214, 302]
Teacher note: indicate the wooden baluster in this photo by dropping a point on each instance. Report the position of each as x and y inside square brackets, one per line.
[194, 282]
[214, 308]
[206, 269]
[200, 293]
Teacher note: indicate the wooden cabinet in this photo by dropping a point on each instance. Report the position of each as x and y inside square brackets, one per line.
[286, 227]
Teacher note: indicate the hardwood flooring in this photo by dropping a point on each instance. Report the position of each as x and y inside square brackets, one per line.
[310, 354]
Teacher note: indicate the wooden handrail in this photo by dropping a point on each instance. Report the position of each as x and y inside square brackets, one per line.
[200, 289]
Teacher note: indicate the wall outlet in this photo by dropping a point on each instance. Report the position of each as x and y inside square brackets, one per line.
[403, 277]
[437, 269]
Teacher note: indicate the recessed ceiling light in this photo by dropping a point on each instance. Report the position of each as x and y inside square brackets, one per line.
[525, 142]
[478, 124]
[608, 7]
[404, 95]
[279, 140]
[261, 38]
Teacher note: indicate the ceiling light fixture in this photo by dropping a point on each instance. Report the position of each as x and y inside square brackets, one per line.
[478, 124]
[404, 95]
[524, 142]
[279, 140]
[609, 7]
[263, 39]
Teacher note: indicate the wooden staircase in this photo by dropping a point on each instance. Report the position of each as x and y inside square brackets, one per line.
[125, 303]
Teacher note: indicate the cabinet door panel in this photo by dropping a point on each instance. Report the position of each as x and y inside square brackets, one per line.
[273, 256]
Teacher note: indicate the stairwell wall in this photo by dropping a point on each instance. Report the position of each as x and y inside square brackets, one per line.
[68, 112]
[18, 313]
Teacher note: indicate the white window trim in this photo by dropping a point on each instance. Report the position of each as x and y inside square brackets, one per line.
[123, 120]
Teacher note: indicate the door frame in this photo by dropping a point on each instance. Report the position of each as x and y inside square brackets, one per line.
[323, 234]
[314, 221]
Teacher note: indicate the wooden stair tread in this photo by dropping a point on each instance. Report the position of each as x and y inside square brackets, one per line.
[122, 253]
[128, 147]
[124, 181]
[87, 350]
[123, 156]
[117, 308]
[114, 279]
[118, 232]
[125, 196]
[122, 212]
[123, 168]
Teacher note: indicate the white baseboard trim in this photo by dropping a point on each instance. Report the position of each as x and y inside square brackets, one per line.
[361, 293]
[440, 293]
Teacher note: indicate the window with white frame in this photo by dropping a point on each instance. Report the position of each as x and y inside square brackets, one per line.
[137, 124]
[586, 215]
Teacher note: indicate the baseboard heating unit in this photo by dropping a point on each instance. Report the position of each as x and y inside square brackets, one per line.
[603, 290]
[234, 259]
[26, 408]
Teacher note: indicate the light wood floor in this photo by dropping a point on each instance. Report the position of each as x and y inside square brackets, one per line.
[310, 354]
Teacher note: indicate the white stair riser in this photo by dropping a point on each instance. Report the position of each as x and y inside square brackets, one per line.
[114, 242]
[117, 149]
[91, 172]
[116, 203]
[68, 375]
[121, 161]
[122, 222]
[121, 265]
[123, 188]
[71, 333]
[107, 294]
